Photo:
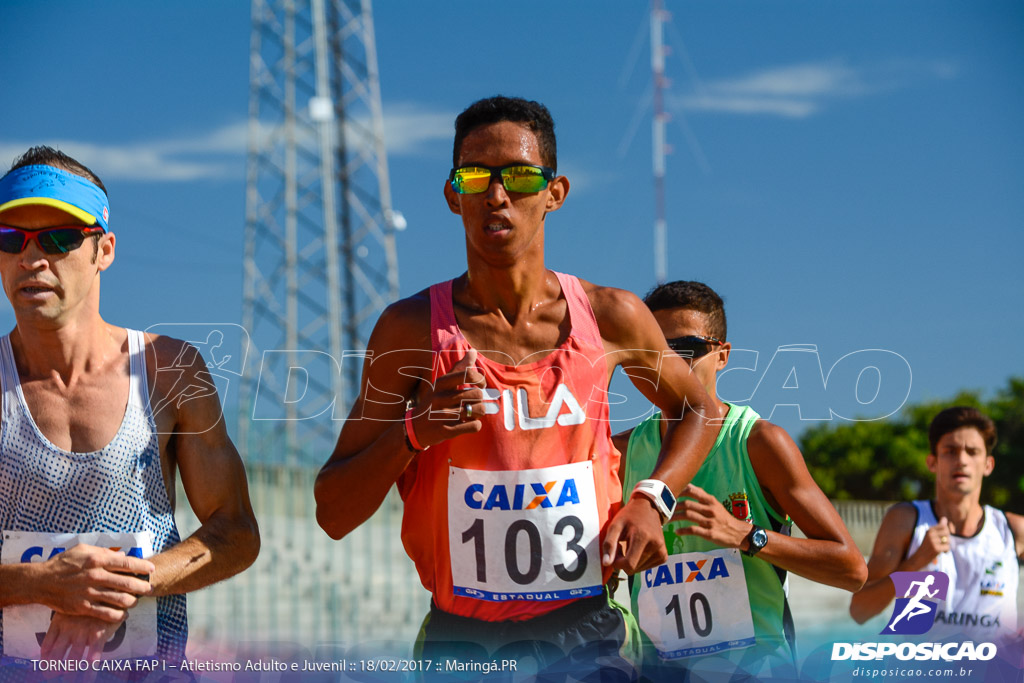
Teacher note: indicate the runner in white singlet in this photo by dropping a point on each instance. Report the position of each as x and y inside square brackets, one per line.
[975, 545]
[93, 433]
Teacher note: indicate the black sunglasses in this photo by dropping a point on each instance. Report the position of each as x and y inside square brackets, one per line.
[693, 345]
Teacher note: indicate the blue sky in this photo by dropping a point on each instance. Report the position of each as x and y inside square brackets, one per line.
[846, 174]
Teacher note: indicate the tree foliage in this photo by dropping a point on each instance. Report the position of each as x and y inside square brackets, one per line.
[885, 459]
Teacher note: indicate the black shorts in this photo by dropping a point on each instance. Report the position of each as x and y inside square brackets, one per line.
[591, 639]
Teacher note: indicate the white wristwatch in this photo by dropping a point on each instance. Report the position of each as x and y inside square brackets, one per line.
[659, 492]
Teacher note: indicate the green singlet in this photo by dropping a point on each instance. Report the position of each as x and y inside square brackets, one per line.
[727, 475]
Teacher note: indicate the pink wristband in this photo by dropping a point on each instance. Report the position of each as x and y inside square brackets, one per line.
[410, 434]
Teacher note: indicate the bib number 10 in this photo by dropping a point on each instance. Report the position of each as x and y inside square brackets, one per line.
[702, 622]
[695, 604]
[533, 558]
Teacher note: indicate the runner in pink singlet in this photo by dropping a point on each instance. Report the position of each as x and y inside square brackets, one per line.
[576, 373]
[484, 399]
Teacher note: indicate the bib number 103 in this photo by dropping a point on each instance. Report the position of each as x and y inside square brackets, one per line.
[533, 557]
[524, 535]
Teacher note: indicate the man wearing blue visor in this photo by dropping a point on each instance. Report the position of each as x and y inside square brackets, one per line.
[91, 564]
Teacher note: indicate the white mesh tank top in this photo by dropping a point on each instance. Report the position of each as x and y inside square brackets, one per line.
[119, 488]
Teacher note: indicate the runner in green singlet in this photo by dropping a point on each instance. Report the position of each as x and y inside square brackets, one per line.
[719, 603]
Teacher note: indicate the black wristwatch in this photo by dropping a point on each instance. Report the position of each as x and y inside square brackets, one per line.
[756, 539]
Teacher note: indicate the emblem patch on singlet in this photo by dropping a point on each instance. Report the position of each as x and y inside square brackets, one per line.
[738, 505]
[990, 583]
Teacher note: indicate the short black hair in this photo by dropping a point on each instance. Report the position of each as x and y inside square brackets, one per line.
[952, 419]
[42, 155]
[694, 295]
[534, 115]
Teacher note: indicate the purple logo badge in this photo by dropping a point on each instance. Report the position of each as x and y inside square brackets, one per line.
[916, 595]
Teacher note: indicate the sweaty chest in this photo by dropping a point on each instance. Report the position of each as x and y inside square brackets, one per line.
[91, 417]
[81, 419]
[519, 344]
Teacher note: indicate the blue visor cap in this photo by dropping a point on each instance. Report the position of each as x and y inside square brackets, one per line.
[43, 185]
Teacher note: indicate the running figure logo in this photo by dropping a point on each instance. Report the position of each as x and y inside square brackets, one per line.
[915, 611]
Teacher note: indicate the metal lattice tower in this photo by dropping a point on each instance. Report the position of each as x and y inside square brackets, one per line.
[658, 16]
[320, 259]
[320, 264]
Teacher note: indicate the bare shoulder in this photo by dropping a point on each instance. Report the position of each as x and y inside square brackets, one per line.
[768, 440]
[892, 540]
[899, 520]
[621, 316]
[613, 303]
[399, 358]
[169, 350]
[776, 458]
[176, 367]
[168, 360]
[182, 391]
[1016, 523]
[399, 344]
[787, 483]
[403, 324]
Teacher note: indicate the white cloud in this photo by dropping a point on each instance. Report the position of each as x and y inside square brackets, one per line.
[801, 90]
[945, 70]
[408, 127]
[204, 156]
[583, 179]
[219, 153]
[734, 104]
[798, 80]
[229, 139]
